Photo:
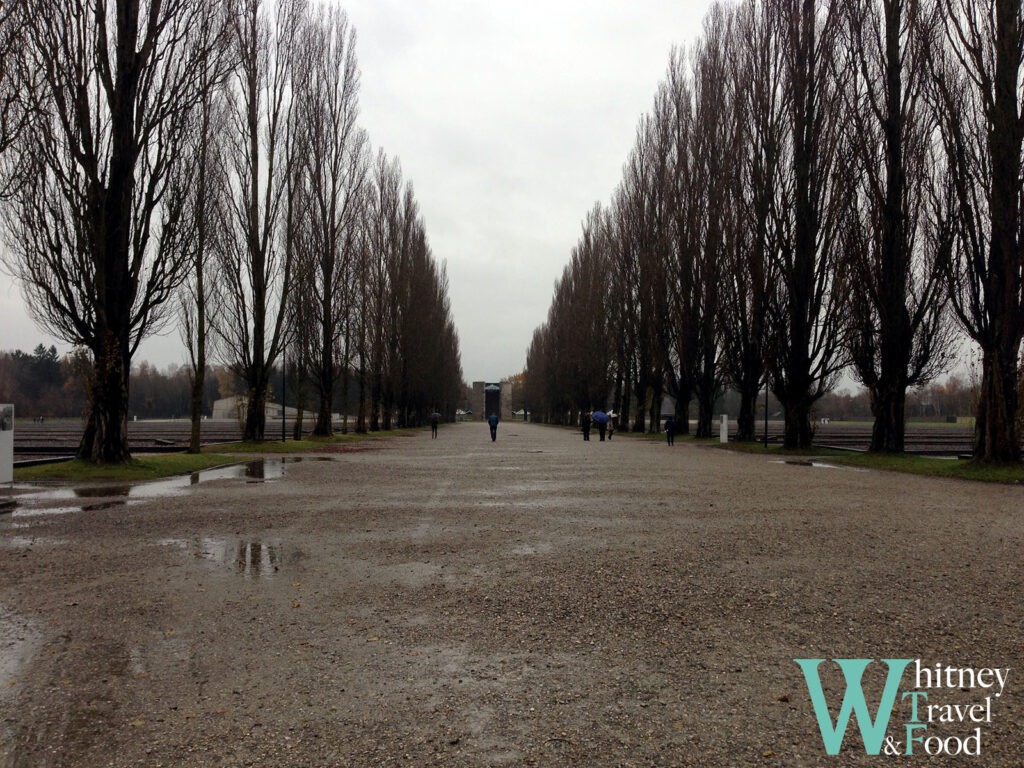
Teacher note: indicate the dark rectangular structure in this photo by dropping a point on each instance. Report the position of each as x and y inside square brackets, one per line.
[492, 399]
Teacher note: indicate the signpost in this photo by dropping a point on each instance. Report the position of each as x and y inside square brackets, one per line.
[723, 435]
[6, 443]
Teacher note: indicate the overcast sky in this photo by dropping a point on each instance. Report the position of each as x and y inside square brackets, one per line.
[511, 120]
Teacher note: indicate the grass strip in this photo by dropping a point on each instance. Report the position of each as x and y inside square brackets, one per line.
[932, 467]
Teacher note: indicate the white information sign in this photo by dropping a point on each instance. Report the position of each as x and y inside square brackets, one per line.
[6, 443]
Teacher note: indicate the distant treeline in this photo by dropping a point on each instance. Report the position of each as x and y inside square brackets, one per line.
[44, 383]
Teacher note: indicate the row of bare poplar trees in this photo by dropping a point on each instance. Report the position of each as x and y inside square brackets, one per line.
[199, 162]
[821, 185]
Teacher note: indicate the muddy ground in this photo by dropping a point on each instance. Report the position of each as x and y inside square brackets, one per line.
[534, 601]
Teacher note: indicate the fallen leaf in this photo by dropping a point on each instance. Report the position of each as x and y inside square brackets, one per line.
[136, 723]
[296, 605]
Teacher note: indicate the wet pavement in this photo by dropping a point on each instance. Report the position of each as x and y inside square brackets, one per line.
[539, 601]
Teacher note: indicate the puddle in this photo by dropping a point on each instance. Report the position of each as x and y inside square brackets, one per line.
[44, 512]
[25, 542]
[18, 642]
[252, 471]
[250, 558]
[812, 463]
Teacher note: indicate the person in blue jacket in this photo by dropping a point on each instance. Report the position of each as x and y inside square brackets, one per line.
[493, 421]
[670, 430]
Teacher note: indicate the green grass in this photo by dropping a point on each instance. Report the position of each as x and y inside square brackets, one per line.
[147, 467]
[916, 465]
[304, 445]
[924, 465]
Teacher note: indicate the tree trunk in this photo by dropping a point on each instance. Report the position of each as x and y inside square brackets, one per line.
[344, 398]
[627, 395]
[640, 389]
[996, 432]
[745, 424]
[705, 415]
[256, 412]
[324, 427]
[888, 406]
[198, 385]
[361, 416]
[798, 432]
[375, 401]
[105, 440]
[656, 397]
[682, 412]
[325, 379]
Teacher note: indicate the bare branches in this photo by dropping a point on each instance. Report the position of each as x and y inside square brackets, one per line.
[95, 217]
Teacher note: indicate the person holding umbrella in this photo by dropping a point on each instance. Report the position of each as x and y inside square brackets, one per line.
[670, 430]
[435, 419]
[602, 422]
[492, 421]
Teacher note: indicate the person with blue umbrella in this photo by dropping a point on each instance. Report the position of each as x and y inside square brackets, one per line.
[601, 419]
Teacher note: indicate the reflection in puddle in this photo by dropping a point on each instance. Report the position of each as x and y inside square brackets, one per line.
[260, 469]
[18, 641]
[812, 463]
[250, 558]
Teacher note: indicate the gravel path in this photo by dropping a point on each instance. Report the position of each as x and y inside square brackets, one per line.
[534, 601]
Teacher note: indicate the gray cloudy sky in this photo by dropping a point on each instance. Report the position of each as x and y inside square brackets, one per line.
[511, 119]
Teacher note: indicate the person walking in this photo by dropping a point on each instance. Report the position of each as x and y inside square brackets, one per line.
[435, 419]
[492, 420]
[585, 421]
[611, 425]
[670, 430]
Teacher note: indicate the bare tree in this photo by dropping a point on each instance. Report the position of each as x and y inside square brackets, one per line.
[383, 241]
[977, 85]
[713, 150]
[641, 218]
[807, 311]
[899, 336]
[688, 207]
[202, 178]
[96, 222]
[756, 71]
[335, 172]
[263, 209]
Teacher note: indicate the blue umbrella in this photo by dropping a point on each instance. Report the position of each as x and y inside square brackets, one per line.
[600, 417]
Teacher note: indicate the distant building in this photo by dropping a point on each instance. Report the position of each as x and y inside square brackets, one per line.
[235, 407]
[488, 397]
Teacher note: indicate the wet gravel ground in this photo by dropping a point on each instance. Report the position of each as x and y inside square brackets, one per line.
[535, 601]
